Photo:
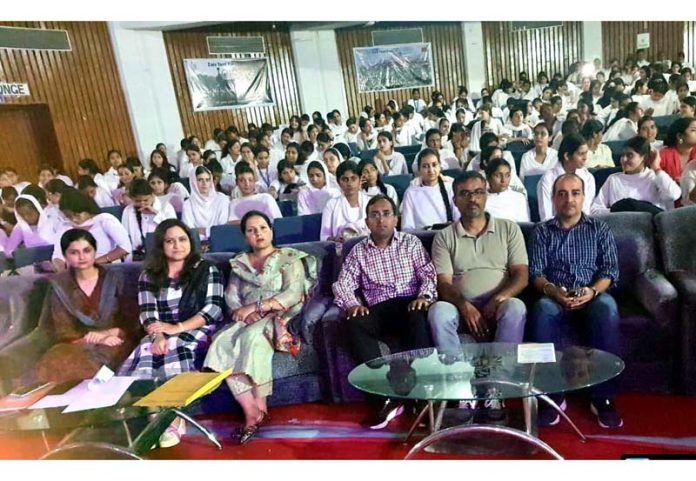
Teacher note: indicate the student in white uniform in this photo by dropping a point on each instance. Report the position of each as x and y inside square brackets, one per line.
[402, 134]
[250, 199]
[350, 136]
[658, 104]
[372, 183]
[205, 207]
[642, 179]
[598, 154]
[503, 202]
[33, 228]
[625, 124]
[542, 157]
[332, 159]
[54, 191]
[143, 215]
[492, 152]
[288, 183]
[647, 128]
[82, 212]
[233, 154]
[111, 177]
[517, 129]
[89, 167]
[572, 156]
[194, 159]
[266, 173]
[173, 194]
[313, 197]
[428, 200]
[344, 216]
[433, 140]
[416, 101]
[367, 138]
[126, 175]
[87, 185]
[158, 160]
[460, 138]
[687, 107]
[486, 124]
[489, 139]
[387, 160]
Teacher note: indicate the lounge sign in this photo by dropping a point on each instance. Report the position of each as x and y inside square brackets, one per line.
[14, 89]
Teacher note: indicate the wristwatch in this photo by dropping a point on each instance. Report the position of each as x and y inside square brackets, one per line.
[596, 292]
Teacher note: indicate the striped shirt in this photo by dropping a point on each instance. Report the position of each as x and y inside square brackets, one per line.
[575, 257]
[402, 269]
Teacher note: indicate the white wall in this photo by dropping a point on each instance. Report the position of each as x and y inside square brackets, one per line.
[474, 60]
[318, 70]
[592, 41]
[142, 64]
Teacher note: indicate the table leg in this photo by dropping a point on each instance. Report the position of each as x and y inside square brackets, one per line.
[440, 414]
[415, 423]
[551, 403]
[208, 434]
[431, 417]
[530, 407]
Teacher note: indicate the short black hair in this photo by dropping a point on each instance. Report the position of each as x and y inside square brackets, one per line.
[376, 199]
[347, 166]
[254, 213]
[466, 176]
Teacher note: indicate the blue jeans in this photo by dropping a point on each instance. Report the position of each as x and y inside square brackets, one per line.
[443, 319]
[598, 322]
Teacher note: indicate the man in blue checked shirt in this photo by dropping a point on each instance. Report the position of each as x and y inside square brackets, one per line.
[573, 262]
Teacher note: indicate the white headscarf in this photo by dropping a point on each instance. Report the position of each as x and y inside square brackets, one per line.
[42, 234]
[202, 207]
[311, 200]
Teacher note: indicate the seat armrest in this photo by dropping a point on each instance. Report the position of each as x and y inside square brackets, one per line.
[23, 354]
[685, 283]
[657, 295]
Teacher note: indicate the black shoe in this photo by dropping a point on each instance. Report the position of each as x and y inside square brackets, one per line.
[493, 410]
[465, 411]
[389, 411]
[607, 415]
[548, 416]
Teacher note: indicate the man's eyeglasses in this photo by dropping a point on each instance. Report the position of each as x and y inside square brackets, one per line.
[468, 194]
[380, 215]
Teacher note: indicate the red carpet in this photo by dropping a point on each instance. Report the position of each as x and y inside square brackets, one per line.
[658, 424]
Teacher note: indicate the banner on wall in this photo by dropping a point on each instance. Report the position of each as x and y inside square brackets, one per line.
[394, 67]
[220, 84]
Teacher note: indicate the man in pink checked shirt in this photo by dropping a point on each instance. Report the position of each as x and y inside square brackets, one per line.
[397, 279]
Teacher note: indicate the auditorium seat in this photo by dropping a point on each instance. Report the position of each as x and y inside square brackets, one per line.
[601, 175]
[288, 208]
[27, 256]
[296, 229]
[116, 211]
[399, 182]
[368, 154]
[530, 183]
[354, 149]
[518, 150]
[452, 172]
[616, 146]
[226, 238]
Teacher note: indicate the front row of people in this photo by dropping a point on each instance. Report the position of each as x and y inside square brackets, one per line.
[479, 267]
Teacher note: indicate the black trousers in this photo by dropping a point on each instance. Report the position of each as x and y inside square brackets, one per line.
[390, 317]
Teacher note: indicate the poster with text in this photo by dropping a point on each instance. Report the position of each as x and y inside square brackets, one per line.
[393, 67]
[219, 84]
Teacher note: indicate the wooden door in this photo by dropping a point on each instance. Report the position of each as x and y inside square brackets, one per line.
[28, 140]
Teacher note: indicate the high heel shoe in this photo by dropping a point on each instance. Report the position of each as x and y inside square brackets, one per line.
[172, 435]
[250, 431]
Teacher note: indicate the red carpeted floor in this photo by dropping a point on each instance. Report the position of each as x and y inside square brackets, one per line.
[653, 424]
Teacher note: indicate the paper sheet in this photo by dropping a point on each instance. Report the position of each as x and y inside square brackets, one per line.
[58, 400]
[104, 395]
[531, 353]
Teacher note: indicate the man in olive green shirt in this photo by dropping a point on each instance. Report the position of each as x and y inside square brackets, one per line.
[481, 265]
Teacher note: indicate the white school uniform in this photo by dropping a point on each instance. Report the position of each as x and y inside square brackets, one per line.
[111, 179]
[545, 187]
[369, 142]
[688, 182]
[523, 131]
[509, 204]
[396, 163]
[107, 231]
[261, 202]
[103, 198]
[228, 163]
[265, 178]
[658, 189]
[340, 219]
[311, 200]
[418, 105]
[667, 105]
[622, 129]
[201, 211]
[41, 234]
[530, 166]
[391, 193]
[602, 157]
[423, 206]
[475, 163]
[494, 125]
[137, 232]
[350, 137]
[214, 146]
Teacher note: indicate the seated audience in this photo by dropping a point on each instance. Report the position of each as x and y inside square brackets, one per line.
[332, 159]
[598, 154]
[34, 227]
[680, 147]
[642, 180]
[206, 207]
[647, 128]
[181, 299]
[313, 197]
[427, 202]
[268, 287]
[481, 265]
[80, 211]
[372, 183]
[393, 272]
[517, 129]
[625, 124]
[126, 175]
[167, 192]
[387, 160]
[287, 184]
[572, 156]
[191, 162]
[266, 174]
[344, 215]
[249, 200]
[542, 157]
[83, 323]
[89, 187]
[502, 201]
[573, 262]
[143, 215]
[367, 138]
[111, 176]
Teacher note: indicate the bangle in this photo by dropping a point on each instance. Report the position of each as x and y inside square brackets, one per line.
[259, 308]
[543, 289]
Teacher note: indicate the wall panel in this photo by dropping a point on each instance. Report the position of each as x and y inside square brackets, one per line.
[448, 58]
[187, 44]
[551, 49]
[81, 89]
[619, 39]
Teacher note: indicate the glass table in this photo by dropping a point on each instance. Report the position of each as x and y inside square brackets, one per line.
[103, 433]
[470, 373]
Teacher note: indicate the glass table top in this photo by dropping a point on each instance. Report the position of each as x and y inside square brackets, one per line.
[426, 374]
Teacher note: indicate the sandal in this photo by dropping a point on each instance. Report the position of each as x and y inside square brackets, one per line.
[250, 431]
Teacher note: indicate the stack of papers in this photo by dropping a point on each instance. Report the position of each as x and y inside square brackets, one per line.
[81, 398]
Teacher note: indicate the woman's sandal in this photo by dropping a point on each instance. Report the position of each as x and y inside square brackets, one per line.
[248, 432]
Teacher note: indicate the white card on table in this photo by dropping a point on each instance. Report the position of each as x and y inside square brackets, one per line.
[531, 353]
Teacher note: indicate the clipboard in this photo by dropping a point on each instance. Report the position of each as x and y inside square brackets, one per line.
[183, 389]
